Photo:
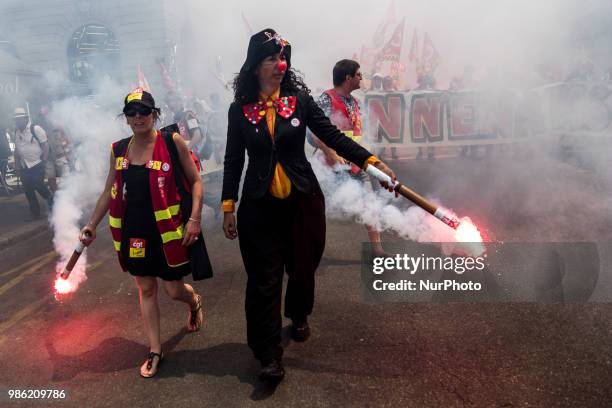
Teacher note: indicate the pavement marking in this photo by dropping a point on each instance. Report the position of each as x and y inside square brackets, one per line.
[17, 279]
[32, 308]
[40, 258]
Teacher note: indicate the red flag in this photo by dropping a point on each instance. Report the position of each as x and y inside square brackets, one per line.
[393, 48]
[142, 81]
[429, 57]
[165, 75]
[379, 35]
[413, 56]
[366, 57]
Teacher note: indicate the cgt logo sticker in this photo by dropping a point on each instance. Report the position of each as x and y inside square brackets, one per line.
[137, 247]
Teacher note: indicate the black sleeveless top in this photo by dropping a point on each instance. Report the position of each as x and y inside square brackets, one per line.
[139, 228]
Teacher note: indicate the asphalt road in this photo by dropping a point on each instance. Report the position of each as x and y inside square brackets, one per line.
[361, 353]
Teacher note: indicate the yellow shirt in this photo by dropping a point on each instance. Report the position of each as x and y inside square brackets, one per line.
[280, 187]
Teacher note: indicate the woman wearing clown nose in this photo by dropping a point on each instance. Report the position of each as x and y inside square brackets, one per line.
[281, 217]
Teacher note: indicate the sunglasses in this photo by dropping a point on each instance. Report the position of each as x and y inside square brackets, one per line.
[141, 110]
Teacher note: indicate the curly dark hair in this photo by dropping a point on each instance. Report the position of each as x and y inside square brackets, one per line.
[246, 85]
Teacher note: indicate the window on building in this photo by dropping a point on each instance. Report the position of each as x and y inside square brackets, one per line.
[93, 53]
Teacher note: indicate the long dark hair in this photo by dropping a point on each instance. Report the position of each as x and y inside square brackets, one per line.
[246, 85]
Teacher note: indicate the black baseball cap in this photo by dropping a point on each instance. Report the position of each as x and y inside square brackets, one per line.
[141, 97]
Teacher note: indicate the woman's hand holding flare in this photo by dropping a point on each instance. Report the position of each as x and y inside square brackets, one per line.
[385, 169]
[87, 234]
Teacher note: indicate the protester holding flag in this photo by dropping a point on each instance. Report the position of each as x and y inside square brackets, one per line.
[146, 219]
[281, 219]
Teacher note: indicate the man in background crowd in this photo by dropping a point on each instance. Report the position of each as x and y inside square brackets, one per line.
[59, 162]
[376, 85]
[187, 121]
[60, 153]
[343, 110]
[217, 126]
[5, 154]
[199, 142]
[31, 153]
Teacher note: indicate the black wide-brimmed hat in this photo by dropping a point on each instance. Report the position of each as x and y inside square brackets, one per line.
[263, 44]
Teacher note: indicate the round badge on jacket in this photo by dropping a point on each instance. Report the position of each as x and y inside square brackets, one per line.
[165, 167]
[295, 122]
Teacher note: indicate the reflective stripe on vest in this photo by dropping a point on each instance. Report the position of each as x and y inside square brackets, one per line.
[165, 200]
[340, 115]
[172, 235]
[350, 134]
[114, 222]
[167, 213]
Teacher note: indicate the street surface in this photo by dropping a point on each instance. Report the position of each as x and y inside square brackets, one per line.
[361, 353]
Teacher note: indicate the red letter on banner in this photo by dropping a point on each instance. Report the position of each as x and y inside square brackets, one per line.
[463, 116]
[385, 117]
[426, 117]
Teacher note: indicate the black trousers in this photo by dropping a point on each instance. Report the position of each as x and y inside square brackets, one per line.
[33, 179]
[278, 236]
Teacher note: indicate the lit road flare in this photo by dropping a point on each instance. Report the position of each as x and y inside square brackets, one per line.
[72, 261]
[465, 230]
[62, 283]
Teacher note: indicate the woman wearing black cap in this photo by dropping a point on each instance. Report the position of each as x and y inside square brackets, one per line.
[281, 218]
[146, 222]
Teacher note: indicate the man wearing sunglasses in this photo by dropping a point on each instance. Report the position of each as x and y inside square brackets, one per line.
[342, 109]
[188, 124]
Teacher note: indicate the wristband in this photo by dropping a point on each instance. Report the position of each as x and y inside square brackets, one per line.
[193, 219]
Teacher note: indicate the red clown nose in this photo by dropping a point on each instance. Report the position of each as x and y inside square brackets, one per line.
[281, 66]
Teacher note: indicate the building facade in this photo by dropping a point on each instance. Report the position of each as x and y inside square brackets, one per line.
[83, 41]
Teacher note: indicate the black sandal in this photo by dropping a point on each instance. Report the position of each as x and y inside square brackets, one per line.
[193, 315]
[150, 358]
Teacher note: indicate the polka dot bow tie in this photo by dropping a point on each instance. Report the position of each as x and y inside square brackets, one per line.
[255, 112]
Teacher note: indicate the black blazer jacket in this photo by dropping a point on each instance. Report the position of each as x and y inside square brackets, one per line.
[287, 148]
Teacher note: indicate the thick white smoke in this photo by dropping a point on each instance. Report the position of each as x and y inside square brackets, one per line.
[92, 125]
[348, 198]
